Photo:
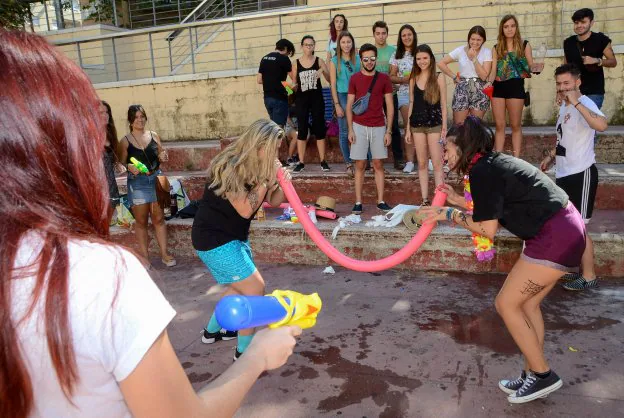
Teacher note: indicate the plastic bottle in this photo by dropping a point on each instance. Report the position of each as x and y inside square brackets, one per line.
[174, 202]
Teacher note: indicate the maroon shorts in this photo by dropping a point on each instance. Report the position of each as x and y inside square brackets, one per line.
[560, 243]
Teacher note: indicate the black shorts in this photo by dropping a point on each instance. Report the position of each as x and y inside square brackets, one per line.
[581, 188]
[509, 89]
[310, 104]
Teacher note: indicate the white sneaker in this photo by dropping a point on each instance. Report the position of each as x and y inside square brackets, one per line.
[430, 166]
[409, 167]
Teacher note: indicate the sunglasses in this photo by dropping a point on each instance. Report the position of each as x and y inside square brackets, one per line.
[366, 60]
[349, 67]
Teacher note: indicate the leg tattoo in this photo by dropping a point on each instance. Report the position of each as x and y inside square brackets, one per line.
[531, 288]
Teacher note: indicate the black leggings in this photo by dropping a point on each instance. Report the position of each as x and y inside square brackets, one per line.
[307, 104]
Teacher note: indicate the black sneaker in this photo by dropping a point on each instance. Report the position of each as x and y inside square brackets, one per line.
[512, 386]
[570, 276]
[535, 388]
[383, 206]
[299, 168]
[237, 354]
[357, 209]
[213, 337]
[285, 164]
[580, 284]
[324, 166]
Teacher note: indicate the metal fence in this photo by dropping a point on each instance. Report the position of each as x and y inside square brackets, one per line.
[226, 44]
[136, 14]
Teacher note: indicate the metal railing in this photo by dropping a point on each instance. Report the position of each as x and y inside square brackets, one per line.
[137, 14]
[238, 43]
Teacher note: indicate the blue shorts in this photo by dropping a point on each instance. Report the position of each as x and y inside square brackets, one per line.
[403, 100]
[229, 263]
[142, 188]
[277, 109]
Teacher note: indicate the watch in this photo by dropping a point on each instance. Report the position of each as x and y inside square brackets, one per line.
[600, 62]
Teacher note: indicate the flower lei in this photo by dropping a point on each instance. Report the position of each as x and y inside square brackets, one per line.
[484, 247]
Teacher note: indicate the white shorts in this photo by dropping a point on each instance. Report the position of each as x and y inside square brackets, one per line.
[369, 137]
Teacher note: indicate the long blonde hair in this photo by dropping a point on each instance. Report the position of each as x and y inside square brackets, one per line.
[501, 42]
[339, 51]
[432, 88]
[239, 167]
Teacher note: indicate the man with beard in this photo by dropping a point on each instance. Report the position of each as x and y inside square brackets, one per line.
[369, 128]
[576, 172]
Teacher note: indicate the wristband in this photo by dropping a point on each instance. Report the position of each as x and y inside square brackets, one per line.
[449, 214]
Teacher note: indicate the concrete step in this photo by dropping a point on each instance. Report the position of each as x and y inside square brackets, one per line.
[448, 248]
[196, 155]
[399, 187]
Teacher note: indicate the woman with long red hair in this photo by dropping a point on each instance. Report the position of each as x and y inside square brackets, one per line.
[83, 326]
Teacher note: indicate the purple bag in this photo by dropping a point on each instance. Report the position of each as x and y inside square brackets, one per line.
[332, 127]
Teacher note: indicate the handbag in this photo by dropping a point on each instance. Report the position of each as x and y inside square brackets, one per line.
[527, 95]
[361, 105]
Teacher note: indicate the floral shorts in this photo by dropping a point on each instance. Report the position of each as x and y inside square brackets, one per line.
[469, 95]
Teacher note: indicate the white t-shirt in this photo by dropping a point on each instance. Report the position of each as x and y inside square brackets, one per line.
[108, 342]
[466, 67]
[331, 48]
[404, 65]
[576, 137]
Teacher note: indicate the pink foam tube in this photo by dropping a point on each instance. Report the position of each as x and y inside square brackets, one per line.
[322, 213]
[358, 265]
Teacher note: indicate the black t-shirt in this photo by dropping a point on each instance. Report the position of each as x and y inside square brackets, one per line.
[516, 193]
[592, 76]
[274, 68]
[217, 222]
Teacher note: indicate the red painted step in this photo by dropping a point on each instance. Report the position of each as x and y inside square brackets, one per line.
[447, 249]
[399, 187]
[196, 155]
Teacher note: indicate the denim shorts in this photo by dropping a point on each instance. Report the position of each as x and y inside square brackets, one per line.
[403, 100]
[229, 263]
[142, 188]
[277, 110]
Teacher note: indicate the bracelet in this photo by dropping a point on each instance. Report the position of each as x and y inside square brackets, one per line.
[577, 103]
[449, 214]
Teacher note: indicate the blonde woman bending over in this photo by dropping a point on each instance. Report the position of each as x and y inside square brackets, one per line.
[240, 178]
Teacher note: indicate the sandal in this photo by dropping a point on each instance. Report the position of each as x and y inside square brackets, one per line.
[350, 171]
[425, 202]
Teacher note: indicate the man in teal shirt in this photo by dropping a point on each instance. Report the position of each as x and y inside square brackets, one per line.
[384, 52]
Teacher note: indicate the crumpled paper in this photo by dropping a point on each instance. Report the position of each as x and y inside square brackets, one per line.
[329, 270]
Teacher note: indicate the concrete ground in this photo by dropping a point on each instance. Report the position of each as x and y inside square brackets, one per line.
[410, 344]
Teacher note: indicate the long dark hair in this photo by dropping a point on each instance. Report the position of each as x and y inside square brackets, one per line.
[111, 131]
[472, 137]
[432, 88]
[400, 50]
[132, 110]
[333, 33]
[51, 141]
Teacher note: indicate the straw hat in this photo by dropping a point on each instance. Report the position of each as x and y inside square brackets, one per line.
[412, 219]
[326, 203]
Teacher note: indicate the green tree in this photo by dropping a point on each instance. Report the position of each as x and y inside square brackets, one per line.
[14, 14]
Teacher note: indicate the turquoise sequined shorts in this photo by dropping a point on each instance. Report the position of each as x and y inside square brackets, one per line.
[229, 263]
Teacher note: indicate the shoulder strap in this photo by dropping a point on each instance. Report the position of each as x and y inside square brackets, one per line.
[370, 88]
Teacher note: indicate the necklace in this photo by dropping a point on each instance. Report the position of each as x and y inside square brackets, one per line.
[483, 246]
